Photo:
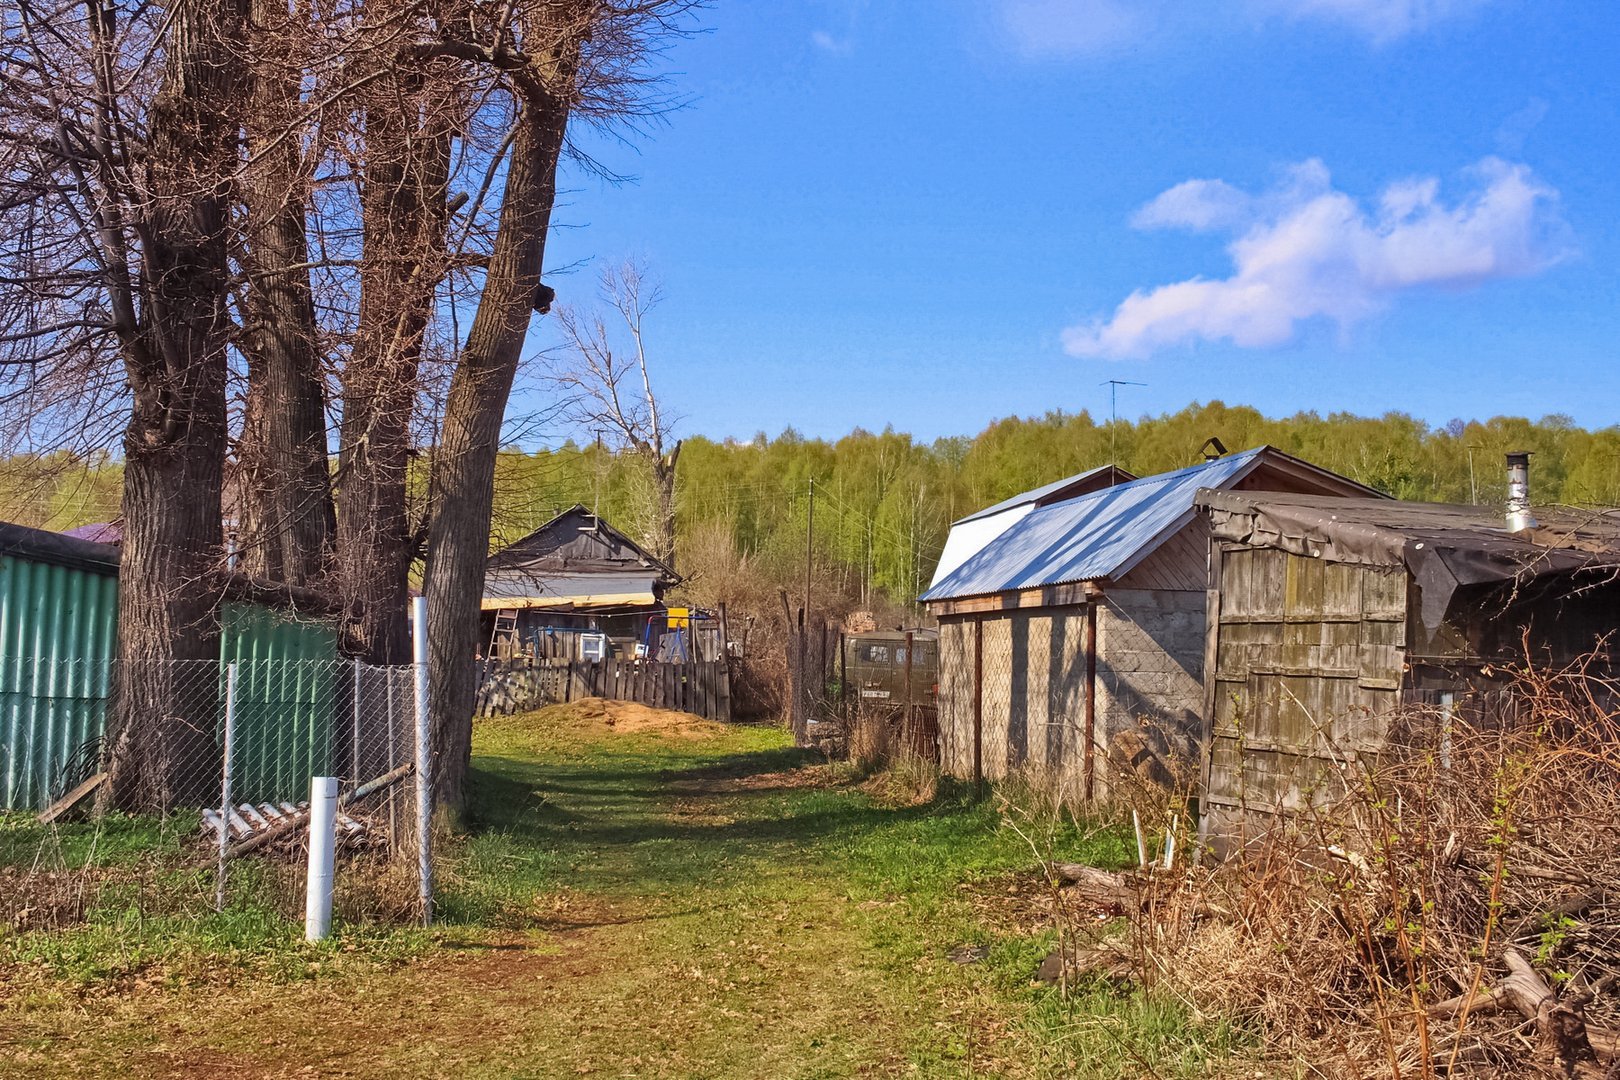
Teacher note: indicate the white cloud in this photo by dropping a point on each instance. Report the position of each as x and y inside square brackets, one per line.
[831, 43]
[1075, 27]
[1058, 28]
[1305, 250]
[1382, 20]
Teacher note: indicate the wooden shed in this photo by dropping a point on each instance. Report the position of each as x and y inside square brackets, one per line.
[1329, 619]
[1083, 619]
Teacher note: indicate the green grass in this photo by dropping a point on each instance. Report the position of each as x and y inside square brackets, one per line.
[630, 905]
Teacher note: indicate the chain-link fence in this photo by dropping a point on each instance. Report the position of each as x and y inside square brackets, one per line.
[224, 754]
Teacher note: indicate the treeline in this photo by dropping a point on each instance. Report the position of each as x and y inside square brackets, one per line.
[884, 501]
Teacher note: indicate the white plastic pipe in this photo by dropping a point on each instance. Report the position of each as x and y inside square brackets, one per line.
[424, 762]
[323, 797]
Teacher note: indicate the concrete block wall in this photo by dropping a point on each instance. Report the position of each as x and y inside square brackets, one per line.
[1150, 669]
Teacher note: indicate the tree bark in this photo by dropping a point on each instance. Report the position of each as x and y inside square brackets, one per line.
[664, 478]
[464, 465]
[403, 219]
[160, 739]
[284, 497]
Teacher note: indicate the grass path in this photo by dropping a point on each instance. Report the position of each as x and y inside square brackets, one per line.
[646, 906]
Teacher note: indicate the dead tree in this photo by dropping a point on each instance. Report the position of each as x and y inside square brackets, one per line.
[591, 373]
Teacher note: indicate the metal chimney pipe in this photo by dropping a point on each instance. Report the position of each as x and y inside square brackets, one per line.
[1519, 517]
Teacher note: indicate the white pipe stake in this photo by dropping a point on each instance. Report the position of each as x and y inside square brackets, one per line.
[424, 761]
[323, 797]
[1141, 840]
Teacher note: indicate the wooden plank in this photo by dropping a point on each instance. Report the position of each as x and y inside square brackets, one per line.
[71, 799]
[723, 675]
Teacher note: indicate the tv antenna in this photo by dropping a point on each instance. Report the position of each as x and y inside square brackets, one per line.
[1113, 410]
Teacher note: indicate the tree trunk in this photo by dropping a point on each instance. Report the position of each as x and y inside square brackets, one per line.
[285, 513]
[464, 465]
[160, 738]
[664, 478]
[403, 213]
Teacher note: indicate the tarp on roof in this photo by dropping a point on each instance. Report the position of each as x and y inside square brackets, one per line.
[1443, 546]
[1091, 537]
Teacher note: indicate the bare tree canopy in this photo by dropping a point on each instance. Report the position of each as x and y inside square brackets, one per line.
[610, 390]
[246, 232]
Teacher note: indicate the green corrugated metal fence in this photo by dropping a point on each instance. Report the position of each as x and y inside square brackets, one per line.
[287, 695]
[58, 629]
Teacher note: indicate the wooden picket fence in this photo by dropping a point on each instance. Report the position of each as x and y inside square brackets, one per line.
[517, 685]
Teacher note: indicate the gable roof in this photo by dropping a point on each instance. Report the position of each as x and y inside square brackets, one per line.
[1102, 535]
[576, 542]
[1058, 490]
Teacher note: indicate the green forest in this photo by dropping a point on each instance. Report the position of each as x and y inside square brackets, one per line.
[884, 501]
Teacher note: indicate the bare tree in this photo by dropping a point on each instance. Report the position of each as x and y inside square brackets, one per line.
[561, 61]
[592, 374]
[284, 494]
[122, 123]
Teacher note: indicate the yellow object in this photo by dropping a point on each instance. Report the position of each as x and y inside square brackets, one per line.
[680, 618]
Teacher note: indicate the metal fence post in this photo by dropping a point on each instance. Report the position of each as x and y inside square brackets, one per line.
[424, 763]
[354, 741]
[225, 785]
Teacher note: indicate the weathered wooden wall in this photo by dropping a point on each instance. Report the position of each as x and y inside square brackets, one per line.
[511, 686]
[1308, 666]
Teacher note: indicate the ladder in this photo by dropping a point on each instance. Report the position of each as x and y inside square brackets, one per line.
[506, 627]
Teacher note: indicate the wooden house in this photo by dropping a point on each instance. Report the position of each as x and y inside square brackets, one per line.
[574, 576]
[1332, 619]
[1084, 618]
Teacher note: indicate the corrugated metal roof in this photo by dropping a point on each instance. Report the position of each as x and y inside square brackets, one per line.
[1046, 491]
[1090, 537]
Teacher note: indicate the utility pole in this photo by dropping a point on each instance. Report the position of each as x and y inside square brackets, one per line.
[809, 545]
[596, 477]
[1473, 488]
[1113, 411]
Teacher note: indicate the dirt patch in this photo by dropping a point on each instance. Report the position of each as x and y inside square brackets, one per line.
[600, 716]
[732, 780]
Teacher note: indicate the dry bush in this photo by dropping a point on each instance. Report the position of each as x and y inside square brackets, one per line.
[1378, 933]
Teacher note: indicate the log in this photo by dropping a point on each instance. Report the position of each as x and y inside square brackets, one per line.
[1101, 887]
[1560, 1024]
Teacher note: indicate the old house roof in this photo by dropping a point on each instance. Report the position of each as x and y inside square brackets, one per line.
[575, 561]
[1444, 546]
[57, 549]
[1103, 534]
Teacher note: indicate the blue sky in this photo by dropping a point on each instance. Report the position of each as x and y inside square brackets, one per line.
[931, 215]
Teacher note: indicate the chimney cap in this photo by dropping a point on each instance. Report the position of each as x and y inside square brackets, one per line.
[1519, 457]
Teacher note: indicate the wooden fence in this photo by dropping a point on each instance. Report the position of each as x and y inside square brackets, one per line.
[510, 686]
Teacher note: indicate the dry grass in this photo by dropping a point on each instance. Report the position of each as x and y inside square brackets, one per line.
[1368, 935]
